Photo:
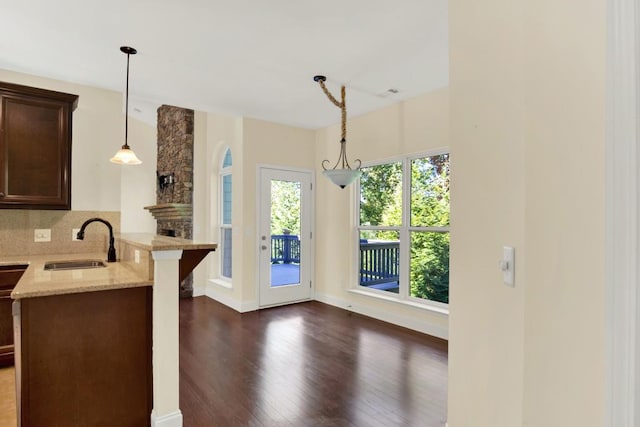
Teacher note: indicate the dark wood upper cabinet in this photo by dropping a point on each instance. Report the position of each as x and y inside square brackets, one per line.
[35, 147]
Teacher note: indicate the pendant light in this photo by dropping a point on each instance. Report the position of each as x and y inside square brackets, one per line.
[125, 155]
[344, 175]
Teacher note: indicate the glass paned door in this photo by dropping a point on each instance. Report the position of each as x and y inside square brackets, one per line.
[285, 235]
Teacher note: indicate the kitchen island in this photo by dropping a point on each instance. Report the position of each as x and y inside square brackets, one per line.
[99, 346]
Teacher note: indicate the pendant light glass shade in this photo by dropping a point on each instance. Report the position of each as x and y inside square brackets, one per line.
[125, 155]
[342, 177]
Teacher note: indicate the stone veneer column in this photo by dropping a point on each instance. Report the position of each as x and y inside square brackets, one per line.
[175, 155]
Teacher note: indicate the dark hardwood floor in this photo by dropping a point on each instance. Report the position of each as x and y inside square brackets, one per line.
[307, 364]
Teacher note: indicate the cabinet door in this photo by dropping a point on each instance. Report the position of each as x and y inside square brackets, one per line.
[85, 359]
[35, 148]
[9, 276]
[6, 329]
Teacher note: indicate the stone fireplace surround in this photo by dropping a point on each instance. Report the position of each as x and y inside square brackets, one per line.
[173, 209]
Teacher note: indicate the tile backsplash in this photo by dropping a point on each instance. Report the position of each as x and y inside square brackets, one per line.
[17, 231]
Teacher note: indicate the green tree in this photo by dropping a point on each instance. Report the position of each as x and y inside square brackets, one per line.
[285, 207]
[379, 184]
[429, 277]
[429, 274]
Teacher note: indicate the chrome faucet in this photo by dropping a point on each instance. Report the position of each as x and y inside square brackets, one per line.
[111, 253]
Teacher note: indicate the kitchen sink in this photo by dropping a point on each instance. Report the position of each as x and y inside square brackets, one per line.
[74, 264]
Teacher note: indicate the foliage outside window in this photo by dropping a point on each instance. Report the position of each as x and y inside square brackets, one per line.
[404, 227]
[226, 241]
[286, 203]
[285, 207]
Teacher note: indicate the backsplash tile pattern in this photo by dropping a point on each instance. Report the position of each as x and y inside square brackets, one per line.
[17, 227]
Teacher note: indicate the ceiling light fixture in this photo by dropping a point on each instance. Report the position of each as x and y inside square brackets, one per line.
[125, 155]
[344, 175]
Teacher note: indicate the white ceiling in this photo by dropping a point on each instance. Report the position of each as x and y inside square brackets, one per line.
[240, 57]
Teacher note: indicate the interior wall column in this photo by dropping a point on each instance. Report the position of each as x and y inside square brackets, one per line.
[166, 342]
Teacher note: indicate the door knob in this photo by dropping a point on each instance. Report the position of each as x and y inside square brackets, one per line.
[263, 247]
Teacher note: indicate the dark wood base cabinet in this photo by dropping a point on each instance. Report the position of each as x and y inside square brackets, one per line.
[84, 359]
[9, 276]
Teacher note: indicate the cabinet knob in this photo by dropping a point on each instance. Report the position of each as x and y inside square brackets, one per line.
[1, 194]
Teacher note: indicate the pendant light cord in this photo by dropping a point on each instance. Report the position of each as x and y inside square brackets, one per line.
[126, 110]
[126, 156]
[342, 105]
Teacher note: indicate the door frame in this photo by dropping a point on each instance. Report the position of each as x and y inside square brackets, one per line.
[312, 212]
[622, 222]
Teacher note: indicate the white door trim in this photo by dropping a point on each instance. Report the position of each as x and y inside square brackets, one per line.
[621, 192]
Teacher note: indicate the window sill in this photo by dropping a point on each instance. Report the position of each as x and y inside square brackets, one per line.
[444, 311]
[221, 282]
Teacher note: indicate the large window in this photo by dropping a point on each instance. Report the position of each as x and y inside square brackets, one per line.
[226, 241]
[404, 228]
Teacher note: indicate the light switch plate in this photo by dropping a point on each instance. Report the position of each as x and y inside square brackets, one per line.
[136, 256]
[42, 235]
[507, 265]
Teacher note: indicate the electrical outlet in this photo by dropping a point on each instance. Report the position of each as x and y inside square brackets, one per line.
[42, 235]
[74, 234]
[136, 256]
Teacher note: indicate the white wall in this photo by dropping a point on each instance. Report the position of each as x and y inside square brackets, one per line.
[138, 183]
[213, 133]
[252, 142]
[565, 285]
[416, 125]
[527, 142]
[265, 144]
[487, 212]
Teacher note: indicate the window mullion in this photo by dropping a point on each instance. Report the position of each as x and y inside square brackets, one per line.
[444, 229]
[405, 241]
[225, 195]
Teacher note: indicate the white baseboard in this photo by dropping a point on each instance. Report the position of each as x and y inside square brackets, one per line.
[212, 291]
[408, 322]
[173, 419]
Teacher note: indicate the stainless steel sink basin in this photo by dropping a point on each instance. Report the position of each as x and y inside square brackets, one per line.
[74, 264]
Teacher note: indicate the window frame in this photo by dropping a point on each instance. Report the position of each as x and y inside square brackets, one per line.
[222, 226]
[404, 232]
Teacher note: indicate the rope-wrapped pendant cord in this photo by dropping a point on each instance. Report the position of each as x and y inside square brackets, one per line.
[342, 105]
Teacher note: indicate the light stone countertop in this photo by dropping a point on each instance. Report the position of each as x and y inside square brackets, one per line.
[36, 282]
[154, 242]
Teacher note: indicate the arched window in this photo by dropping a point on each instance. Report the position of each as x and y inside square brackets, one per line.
[226, 241]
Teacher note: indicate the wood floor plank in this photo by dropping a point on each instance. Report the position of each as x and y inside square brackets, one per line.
[306, 364]
[8, 413]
